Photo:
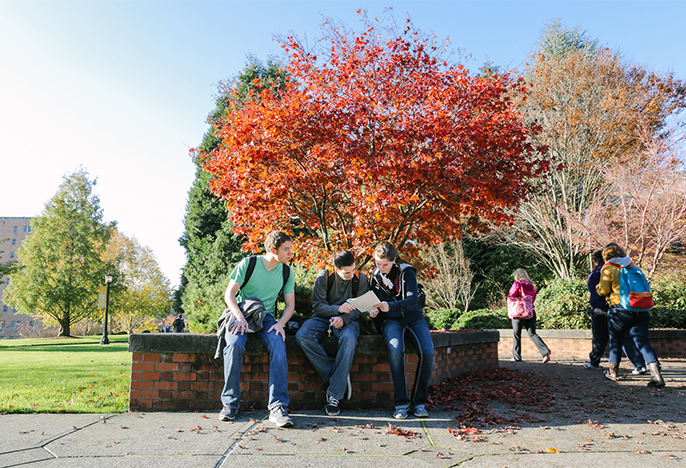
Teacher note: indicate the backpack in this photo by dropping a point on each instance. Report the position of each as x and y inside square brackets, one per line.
[634, 290]
[330, 280]
[251, 267]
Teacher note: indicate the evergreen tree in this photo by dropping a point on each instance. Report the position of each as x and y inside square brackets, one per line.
[62, 264]
[212, 250]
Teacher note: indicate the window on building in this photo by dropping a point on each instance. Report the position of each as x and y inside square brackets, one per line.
[11, 255]
[27, 228]
[2, 324]
[32, 323]
[4, 309]
[15, 324]
[15, 229]
[14, 241]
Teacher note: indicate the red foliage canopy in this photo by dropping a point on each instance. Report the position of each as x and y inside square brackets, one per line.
[376, 139]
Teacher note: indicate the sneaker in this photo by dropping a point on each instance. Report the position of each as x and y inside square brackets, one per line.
[421, 412]
[400, 413]
[348, 389]
[332, 408]
[227, 413]
[279, 416]
[546, 358]
[639, 371]
[588, 365]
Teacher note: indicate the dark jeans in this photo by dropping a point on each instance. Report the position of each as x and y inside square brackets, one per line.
[621, 322]
[601, 338]
[530, 325]
[396, 333]
[334, 370]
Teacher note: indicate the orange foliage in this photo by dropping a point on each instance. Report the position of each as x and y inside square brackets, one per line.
[377, 138]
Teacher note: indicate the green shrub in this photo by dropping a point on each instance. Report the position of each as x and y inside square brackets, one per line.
[669, 295]
[483, 319]
[441, 319]
[563, 304]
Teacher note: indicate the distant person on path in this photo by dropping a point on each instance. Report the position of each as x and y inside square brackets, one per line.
[523, 286]
[622, 321]
[264, 284]
[178, 324]
[401, 319]
[601, 336]
[333, 314]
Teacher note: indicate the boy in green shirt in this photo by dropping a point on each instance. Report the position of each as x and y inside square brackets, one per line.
[265, 283]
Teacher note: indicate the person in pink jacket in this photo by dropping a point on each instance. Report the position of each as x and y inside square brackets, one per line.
[523, 286]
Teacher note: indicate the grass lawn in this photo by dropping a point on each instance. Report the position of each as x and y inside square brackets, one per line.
[65, 375]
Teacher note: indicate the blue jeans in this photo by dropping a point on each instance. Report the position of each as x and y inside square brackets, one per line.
[395, 333]
[278, 366]
[601, 337]
[621, 322]
[335, 371]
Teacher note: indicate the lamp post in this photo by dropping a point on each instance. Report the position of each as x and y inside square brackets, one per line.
[108, 280]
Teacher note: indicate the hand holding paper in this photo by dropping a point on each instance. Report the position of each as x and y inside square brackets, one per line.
[365, 302]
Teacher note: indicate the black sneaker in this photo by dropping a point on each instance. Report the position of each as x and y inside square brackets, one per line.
[279, 416]
[227, 413]
[348, 389]
[332, 408]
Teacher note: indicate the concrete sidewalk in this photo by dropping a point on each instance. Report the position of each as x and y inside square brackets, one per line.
[592, 421]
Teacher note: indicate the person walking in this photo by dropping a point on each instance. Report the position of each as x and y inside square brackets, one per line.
[264, 282]
[333, 314]
[601, 336]
[178, 324]
[622, 321]
[401, 319]
[523, 286]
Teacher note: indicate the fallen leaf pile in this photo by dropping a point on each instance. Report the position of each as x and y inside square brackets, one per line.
[470, 394]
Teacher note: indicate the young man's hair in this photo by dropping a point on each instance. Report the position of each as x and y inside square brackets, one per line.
[597, 258]
[343, 259]
[613, 250]
[387, 251]
[275, 239]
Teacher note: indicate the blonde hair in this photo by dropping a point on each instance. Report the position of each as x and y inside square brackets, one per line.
[520, 274]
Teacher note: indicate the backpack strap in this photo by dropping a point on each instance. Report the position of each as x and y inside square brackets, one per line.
[330, 280]
[286, 273]
[251, 267]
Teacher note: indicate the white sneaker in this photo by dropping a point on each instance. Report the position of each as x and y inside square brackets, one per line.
[279, 416]
[639, 371]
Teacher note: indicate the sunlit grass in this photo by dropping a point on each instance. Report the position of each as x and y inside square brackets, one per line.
[41, 376]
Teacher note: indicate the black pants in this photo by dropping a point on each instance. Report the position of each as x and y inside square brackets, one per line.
[530, 325]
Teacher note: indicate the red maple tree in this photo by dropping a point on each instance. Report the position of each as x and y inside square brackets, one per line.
[375, 137]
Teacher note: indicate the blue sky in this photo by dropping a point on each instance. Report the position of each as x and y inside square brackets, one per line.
[123, 87]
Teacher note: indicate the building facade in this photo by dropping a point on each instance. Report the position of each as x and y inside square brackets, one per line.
[12, 324]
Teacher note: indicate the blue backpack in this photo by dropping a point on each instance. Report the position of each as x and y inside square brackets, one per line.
[634, 290]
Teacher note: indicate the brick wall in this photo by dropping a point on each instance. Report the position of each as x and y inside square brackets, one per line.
[179, 372]
[576, 344]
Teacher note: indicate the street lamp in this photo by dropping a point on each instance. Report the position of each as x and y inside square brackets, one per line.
[108, 280]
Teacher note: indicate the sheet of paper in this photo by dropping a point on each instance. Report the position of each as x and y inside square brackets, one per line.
[365, 302]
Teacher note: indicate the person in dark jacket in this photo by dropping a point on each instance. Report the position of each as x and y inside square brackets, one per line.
[399, 317]
[601, 336]
[333, 313]
[178, 324]
[523, 286]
